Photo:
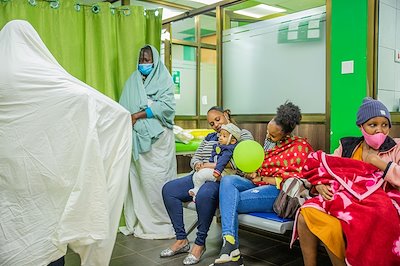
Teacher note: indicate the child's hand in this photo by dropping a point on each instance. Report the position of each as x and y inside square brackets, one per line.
[209, 165]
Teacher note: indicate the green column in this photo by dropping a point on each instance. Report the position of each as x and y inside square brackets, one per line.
[348, 42]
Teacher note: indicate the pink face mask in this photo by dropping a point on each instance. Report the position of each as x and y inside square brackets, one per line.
[375, 140]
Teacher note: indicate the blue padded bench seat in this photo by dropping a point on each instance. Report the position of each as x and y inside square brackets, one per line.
[267, 221]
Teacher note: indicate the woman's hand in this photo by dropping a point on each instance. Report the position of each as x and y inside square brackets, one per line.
[267, 179]
[325, 191]
[371, 156]
[255, 178]
[138, 115]
[133, 119]
[251, 176]
[198, 166]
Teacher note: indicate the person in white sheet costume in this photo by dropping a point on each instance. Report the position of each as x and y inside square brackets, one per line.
[149, 96]
[64, 158]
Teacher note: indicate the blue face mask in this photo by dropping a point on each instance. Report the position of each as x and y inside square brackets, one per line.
[145, 69]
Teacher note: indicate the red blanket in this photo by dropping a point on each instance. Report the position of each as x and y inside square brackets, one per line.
[369, 215]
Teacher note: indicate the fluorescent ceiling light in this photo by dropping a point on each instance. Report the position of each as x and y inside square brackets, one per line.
[207, 2]
[169, 13]
[259, 11]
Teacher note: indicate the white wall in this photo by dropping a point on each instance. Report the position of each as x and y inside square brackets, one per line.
[389, 41]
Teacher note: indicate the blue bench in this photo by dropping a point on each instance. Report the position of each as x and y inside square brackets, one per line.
[266, 221]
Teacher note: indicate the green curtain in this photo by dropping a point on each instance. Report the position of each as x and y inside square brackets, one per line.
[97, 44]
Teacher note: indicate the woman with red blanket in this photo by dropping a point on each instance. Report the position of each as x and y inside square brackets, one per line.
[256, 192]
[358, 196]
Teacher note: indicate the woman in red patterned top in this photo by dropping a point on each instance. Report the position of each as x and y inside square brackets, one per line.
[256, 192]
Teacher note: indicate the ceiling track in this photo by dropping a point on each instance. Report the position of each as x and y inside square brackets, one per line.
[201, 10]
[169, 4]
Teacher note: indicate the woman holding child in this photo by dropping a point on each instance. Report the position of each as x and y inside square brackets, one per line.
[176, 192]
[284, 157]
[356, 214]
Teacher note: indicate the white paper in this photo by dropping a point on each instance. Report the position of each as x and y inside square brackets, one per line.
[204, 100]
[313, 24]
[292, 35]
[348, 67]
[294, 26]
[312, 34]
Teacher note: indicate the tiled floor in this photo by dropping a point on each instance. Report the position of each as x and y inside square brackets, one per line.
[257, 249]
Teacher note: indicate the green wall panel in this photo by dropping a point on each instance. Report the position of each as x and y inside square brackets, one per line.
[348, 42]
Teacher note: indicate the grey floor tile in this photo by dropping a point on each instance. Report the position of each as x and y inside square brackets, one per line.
[251, 243]
[154, 255]
[139, 245]
[205, 260]
[176, 260]
[121, 237]
[280, 254]
[257, 249]
[251, 261]
[298, 262]
[324, 260]
[120, 250]
[132, 260]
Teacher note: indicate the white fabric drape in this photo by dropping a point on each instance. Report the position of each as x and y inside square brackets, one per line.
[64, 157]
[145, 214]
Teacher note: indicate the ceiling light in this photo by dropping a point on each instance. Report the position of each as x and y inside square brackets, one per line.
[169, 13]
[259, 11]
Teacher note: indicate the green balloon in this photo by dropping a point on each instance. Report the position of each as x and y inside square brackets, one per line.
[248, 156]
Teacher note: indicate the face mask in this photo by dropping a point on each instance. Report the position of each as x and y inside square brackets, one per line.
[145, 69]
[375, 140]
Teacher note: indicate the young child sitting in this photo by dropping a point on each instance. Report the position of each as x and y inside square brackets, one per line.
[221, 155]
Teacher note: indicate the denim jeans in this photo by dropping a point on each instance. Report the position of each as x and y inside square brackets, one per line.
[240, 195]
[175, 192]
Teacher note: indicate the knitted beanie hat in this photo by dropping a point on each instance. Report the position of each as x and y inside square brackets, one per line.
[371, 108]
[232, 129]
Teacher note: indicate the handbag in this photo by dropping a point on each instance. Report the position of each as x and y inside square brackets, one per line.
[294, 192]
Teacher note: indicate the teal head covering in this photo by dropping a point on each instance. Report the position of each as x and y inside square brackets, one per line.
[155, 92]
